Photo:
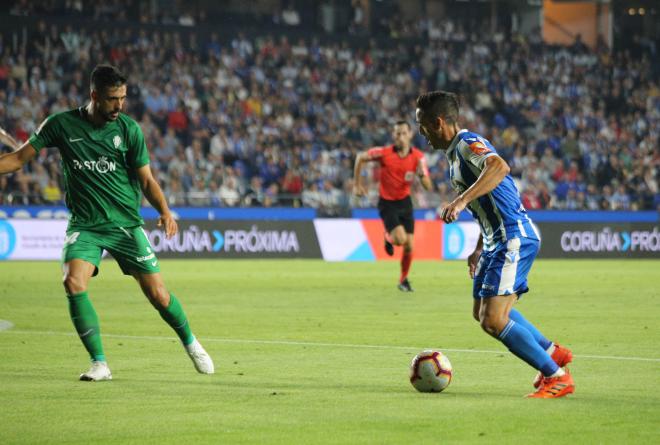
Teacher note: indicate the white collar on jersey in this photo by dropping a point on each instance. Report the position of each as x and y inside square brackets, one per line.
[454, 142]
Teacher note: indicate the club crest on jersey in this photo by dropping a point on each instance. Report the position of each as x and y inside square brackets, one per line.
[479, 148]
[117, 141]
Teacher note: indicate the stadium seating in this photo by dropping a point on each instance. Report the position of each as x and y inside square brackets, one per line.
[257, 120]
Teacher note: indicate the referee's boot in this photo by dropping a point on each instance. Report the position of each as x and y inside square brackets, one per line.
[389, 247]
[404, 286]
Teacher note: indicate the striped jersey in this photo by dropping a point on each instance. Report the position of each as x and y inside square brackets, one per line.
[500, 213]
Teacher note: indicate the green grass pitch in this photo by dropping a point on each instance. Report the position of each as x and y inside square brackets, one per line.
[311, 352]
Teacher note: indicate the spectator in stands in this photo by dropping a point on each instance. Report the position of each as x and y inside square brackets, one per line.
[229, 193]
[273, 106]
[52, 193]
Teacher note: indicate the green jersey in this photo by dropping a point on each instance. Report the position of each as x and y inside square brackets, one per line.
[99, 166]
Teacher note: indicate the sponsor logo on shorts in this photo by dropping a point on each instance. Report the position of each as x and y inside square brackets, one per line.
[70, 239]
[512, 257]
[148, 257]
[142, 259]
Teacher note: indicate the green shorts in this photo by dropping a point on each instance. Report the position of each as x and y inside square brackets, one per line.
[128, 245]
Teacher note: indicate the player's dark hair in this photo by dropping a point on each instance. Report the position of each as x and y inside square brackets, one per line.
[439, 104]
[402, 122]
[106, 76]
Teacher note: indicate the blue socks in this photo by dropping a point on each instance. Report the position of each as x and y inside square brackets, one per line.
[540, 339]
[522, 344]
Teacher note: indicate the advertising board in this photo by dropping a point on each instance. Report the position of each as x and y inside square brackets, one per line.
[600, 240]
[236, 239]
[31, 239]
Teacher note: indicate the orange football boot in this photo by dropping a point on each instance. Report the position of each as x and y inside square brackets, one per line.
[561, 355]
[554, 387]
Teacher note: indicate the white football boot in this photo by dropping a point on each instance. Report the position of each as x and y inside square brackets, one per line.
[97, 372]
[201, 359]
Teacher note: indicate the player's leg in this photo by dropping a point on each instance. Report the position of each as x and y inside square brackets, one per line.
[406, 262]
[76, 276]
[81, 257]
[393, 234]
[505, 275]
[133, 252]
[527, 253]
[495, 320]
[401, 223]
[476, 309]
[516, 316]
[165, 303]
[402, 234]
[561, 355]
[398, 235]
[479, 273]
[170, 309]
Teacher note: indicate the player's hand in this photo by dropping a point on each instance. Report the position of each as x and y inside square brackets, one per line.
[472, 261]
[453, 209]
[167, 220]
[359, 190]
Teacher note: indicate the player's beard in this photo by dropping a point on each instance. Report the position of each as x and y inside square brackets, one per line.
[111, 116]
[108, 116]
[434, 143]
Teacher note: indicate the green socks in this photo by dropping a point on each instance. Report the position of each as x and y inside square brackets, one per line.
[86, 321]
[176, 318]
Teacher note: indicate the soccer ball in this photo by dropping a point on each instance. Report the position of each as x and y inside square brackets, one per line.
[430, 371]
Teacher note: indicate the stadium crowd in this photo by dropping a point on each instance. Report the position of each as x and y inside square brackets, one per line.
[270, 121]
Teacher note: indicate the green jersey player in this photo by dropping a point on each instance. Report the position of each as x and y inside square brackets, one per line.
[106, 170]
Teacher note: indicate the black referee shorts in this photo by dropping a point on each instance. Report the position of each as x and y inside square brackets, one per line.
[397, 213]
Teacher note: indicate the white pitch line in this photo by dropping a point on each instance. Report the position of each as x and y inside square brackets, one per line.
[5, 325]
[321, 344]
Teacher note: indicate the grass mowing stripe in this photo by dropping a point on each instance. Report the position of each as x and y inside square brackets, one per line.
[321, 344]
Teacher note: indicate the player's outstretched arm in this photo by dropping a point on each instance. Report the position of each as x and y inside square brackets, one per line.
[8, 140]
[12, 162]
[156, 198]
[358, 187]
[426, 183]
[423, 173]
[493, 173]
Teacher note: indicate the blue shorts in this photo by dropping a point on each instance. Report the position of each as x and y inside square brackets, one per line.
[503, 271]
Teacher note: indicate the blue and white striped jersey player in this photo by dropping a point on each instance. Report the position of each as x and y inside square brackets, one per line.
[507, 247]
